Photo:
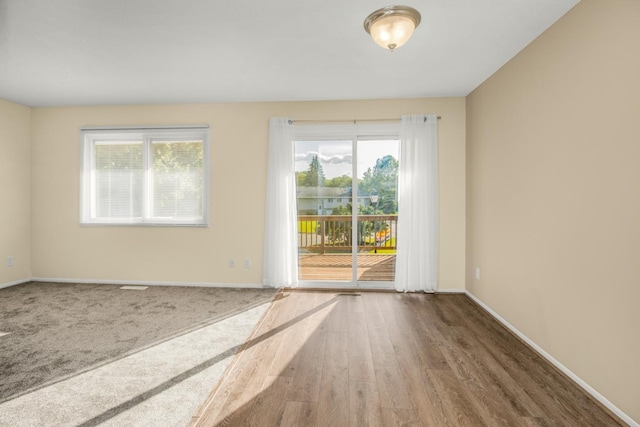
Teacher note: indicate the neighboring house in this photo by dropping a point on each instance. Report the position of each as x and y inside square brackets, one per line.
[322, 200]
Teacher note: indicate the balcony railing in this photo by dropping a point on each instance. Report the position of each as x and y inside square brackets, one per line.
[321, 233]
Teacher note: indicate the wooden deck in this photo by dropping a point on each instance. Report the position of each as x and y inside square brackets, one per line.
[391, 359]
[371, 267]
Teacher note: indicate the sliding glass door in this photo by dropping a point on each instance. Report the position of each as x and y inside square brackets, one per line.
[377, 172]
[347, 211]
[324, 176]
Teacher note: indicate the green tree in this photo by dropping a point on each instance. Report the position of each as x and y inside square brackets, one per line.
[300, 178]
[343, 181]
[118, 156]
[342, 209]
[362, 210]
[314, 176]
[178, 177]
[383, 178]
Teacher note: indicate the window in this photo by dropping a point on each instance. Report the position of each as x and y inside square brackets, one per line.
[145, 176]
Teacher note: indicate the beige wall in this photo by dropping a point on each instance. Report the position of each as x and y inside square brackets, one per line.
[553, 195]
[63, 249]
[15, 139]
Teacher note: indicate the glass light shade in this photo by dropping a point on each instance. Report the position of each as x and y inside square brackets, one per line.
[392, 31]
[391, 26]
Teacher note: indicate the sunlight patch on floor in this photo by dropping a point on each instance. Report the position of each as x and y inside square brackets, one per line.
[161, 385]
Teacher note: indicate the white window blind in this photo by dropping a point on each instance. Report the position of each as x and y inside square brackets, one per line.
[150, 176]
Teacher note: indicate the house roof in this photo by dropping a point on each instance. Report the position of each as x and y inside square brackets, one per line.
[321, 192]
[324, 192]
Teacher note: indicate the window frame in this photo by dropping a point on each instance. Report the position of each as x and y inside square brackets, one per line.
[89, 136]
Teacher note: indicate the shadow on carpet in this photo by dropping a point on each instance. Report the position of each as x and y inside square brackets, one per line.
[57, 330]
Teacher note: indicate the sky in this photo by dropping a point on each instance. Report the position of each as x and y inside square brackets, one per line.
[336, 156]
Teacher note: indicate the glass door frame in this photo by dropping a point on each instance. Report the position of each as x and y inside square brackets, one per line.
[354, 132]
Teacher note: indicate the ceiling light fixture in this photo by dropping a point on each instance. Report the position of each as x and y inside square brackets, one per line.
[391, 26]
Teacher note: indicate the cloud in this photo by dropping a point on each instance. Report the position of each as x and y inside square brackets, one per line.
[324, 160]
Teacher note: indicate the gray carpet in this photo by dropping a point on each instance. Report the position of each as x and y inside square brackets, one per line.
[57, 330]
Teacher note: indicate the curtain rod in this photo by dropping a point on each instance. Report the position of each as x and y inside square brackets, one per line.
[354, 121]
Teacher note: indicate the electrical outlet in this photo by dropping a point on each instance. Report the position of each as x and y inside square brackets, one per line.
[477, 273]
[10, 261]
[232, 263]
[246, 263]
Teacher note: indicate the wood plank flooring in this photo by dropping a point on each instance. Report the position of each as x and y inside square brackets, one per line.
[371, 267]
[390, 359]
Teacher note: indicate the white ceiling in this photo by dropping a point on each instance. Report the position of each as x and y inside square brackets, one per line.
[88, 52]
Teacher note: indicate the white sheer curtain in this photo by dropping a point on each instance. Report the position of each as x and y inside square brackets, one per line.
[280, 244]
[418, 207]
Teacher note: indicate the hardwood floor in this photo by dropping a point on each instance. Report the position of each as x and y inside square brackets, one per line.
[371, 267]
[389, 359]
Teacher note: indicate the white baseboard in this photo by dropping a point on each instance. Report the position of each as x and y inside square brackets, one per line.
[147, 283]
[17, 282]
[362, 286]
[613, 408]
